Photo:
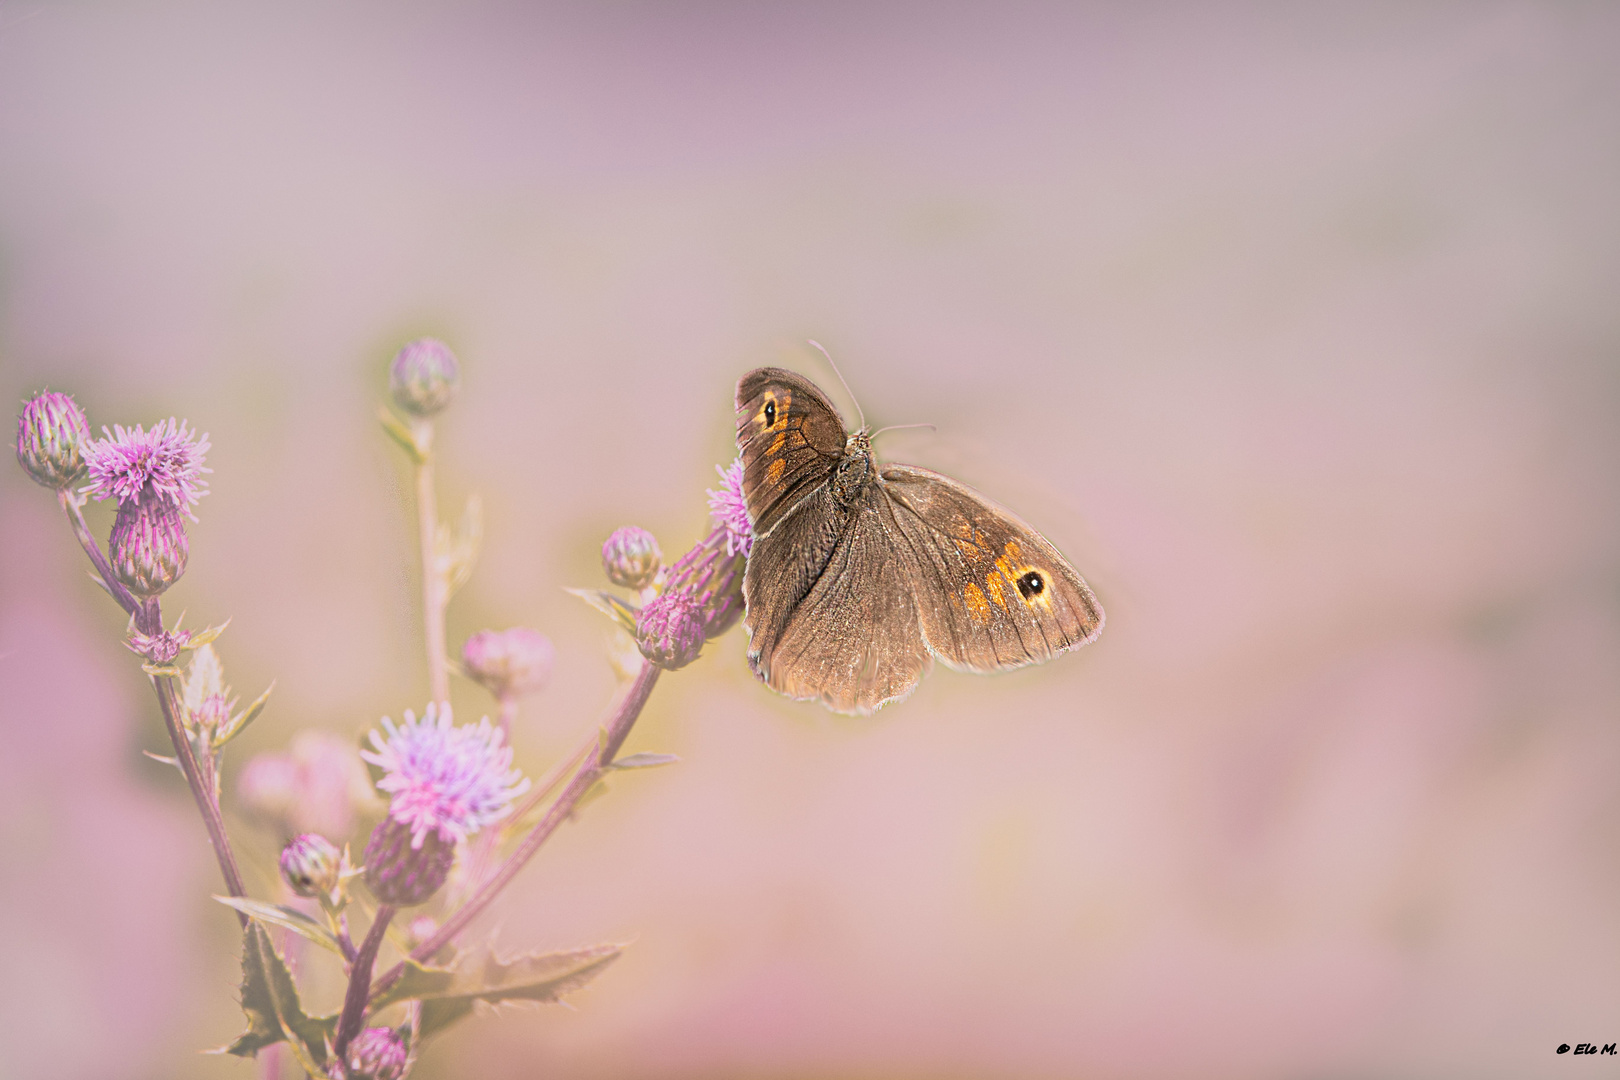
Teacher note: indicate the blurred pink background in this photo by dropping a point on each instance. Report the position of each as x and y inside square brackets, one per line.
[1295, 328]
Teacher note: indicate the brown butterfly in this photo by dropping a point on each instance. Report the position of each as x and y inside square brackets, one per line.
[861, 575]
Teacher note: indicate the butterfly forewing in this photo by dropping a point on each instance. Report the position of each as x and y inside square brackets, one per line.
[992, 592]
[790, 438]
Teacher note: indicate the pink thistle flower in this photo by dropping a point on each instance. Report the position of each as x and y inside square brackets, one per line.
[165, 463]
[444, 779]
[729, 509]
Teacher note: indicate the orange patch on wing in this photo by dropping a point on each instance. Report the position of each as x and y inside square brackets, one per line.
[976, 604]
[992, 585]
[777, 443]
[773, 474]
[1012, 551]
[967, 548]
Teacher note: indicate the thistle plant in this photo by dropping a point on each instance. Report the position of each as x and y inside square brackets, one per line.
[459, 818]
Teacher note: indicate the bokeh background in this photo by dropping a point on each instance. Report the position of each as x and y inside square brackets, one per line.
[1294, 326]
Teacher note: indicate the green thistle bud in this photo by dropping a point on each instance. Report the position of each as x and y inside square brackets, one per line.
[51, 435]
[424, 377]
[148, 548]
[631, 557]
[311, 865]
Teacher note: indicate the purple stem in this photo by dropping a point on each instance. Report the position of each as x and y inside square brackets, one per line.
[73, 508]
[354, 1002]
[590, 770]
[149, 620]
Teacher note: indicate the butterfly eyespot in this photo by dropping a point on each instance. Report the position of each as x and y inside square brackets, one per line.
[1031, 584]
[770, 413]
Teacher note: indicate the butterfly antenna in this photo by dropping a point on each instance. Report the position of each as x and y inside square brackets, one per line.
[859, 411]
[897, 427]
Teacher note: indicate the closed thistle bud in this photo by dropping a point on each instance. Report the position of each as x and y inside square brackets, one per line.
[377, 1053]
[148, 548]
[509, 663]
[669, 630]
[424, 376]
[631, 557]
[311, 865]
[51, 435]
[403, 875]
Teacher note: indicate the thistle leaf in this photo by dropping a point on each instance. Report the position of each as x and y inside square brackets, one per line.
[165, 760]
[270, 1001]
[449, 993]
[644, 761]
[288, 918]
[205, 636]
[401, 433]
[242, 719]
[620, 612]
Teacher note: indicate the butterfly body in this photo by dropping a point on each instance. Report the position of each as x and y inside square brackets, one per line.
[862, 575]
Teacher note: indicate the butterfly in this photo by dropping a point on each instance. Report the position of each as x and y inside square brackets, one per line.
[862, 574]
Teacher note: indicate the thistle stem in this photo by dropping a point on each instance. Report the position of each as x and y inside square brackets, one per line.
[150, 620]
[590, 770]
[73, 507]
[354, 1002]
[433, 583]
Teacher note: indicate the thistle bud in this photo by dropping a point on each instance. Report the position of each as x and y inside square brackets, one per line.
[403, 875]
[377, 1053]
[509, 663]
[712, 575]
[631, 557]
[669, 630]
[148, 549]
[51, 435]
[424, 376]
[311, 865]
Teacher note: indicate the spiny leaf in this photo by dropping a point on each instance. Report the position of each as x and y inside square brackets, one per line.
[449, 993]
[166, 760]
[288, 918]
[611, 606]
[270, 1001]
[244, 718]
[644, 761]
[206, 636]
[401, 433]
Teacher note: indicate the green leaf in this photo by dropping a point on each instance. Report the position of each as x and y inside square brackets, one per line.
[166, 760]
[611, 606]
[205, 636]
[155, 670]
[644, 761]
[288, 918]
[243, 718]
[449, 993]
[401, 433]
[270, 1000]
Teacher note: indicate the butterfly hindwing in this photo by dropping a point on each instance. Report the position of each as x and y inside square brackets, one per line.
[992, 593]
[828, 610]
